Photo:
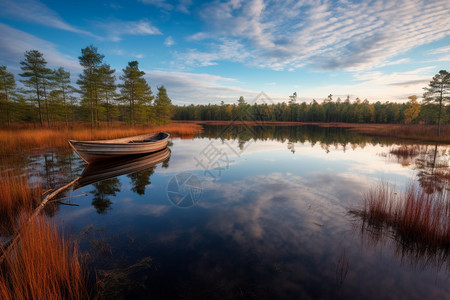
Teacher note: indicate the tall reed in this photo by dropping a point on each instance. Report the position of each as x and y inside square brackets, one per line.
[16, 197]
[42, 265]
[417, 218]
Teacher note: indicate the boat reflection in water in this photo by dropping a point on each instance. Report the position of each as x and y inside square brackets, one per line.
[107, 169]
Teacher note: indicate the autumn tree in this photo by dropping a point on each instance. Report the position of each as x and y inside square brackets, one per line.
[413, 109]
[136, 91]
[37, 79]
[438, 90]
[7, 88]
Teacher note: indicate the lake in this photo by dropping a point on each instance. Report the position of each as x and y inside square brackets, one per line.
[250, 212]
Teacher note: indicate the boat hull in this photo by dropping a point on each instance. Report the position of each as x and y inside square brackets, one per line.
[95, 151]
[120, 166]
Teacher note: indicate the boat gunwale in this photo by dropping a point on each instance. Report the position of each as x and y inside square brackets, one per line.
[116, 142]
[126, 144]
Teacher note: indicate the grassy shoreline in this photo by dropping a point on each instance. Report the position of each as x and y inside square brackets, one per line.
[20, 139]
[417, 132]
[44, 263]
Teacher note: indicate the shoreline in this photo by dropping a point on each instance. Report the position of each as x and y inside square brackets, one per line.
[416, 132]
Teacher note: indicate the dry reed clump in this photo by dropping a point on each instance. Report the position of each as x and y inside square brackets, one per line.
[413, 132]
[42, 265]
[405, 151]
[24, 139]
[418, 219]
[16, 196]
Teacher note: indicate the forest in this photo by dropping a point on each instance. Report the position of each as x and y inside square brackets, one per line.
[47, 97]
[328, 110]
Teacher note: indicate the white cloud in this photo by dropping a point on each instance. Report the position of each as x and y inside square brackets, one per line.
[14, 43]
[36, 12]
[379, 86]
[441, 50]
[328, 35]
[187, 88]
[226, 50]
[182, 6]
[169, 41]
[118, 29]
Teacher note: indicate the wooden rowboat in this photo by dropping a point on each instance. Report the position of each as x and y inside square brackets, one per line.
[110, 168]
[94, 151]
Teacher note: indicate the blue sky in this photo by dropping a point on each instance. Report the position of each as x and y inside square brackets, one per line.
[209, 51]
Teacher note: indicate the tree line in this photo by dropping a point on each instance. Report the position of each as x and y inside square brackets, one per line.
[432, 110]
[47, 95]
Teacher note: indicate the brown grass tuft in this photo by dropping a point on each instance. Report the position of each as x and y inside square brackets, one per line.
[418, 219]
[42, 265]
[16, 196]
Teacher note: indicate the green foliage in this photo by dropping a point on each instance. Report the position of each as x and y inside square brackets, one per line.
[163, 106]
[91, 80]
[63, 91]
[37, 80]
[136, 91]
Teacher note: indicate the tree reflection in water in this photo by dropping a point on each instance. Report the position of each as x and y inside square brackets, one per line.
[432, 163]
[140, 180]
[102, 190]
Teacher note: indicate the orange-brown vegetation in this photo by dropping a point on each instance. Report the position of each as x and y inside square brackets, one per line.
[411, 132]
[24, 139]
[39, 263]
[16, 197]
[42, 265]
[416, 218]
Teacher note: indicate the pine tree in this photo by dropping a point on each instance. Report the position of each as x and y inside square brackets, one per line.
[136, 91]
[163, 106]
[38, 79]
[108, 91]
[7, 89]
[438, 90]
[63, 89]
[90, 81]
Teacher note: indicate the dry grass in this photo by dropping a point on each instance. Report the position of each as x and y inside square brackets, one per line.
[16, 197]
[412, 132]
[417, 219]
[42, 265]
[24, 139]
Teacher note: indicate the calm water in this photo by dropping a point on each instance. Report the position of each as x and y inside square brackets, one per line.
[259, 213]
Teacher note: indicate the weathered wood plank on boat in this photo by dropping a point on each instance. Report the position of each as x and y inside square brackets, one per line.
[94, 151]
